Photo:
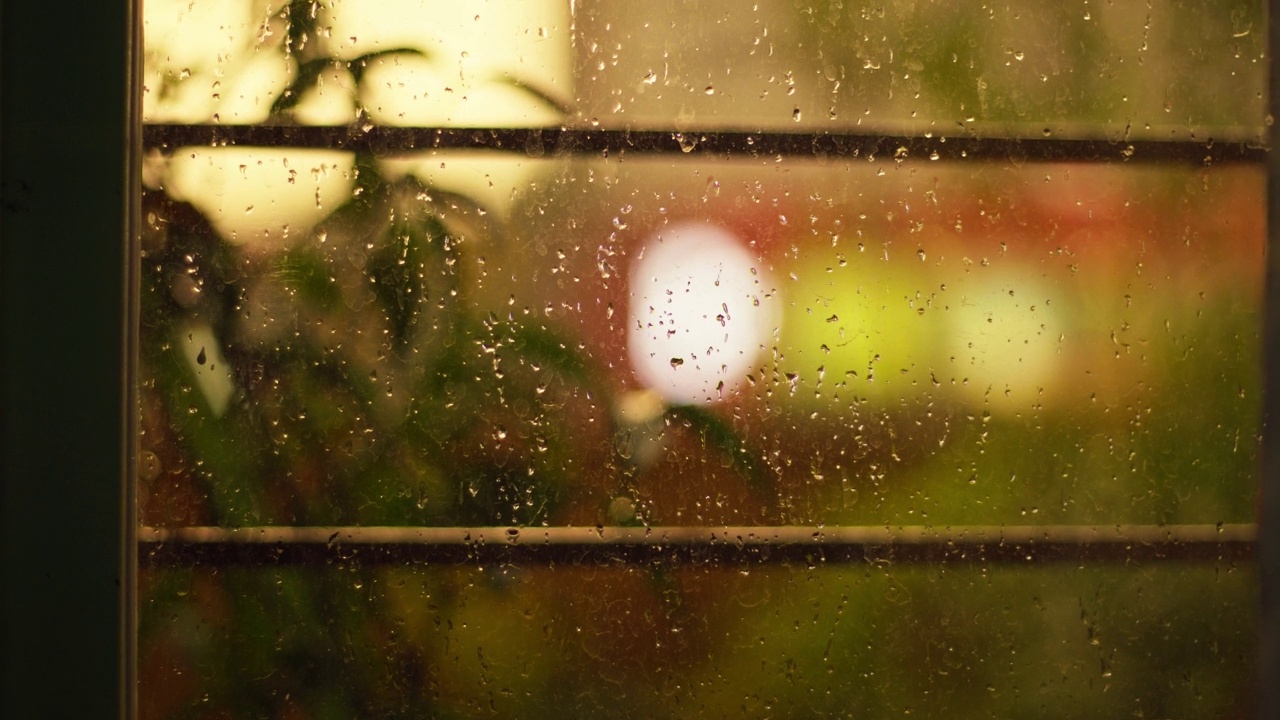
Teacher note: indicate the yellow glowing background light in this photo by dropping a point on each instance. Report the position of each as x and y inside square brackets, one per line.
[891, 328]
[867, 328]
[1006, 338]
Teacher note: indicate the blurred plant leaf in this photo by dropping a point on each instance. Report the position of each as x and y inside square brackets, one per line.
[398, 269]
[464, 217]
[309, 72]
[306, 271]
[718, 434]
[542, 95]
[540, 344]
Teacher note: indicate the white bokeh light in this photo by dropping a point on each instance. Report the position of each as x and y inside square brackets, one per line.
[700, 313]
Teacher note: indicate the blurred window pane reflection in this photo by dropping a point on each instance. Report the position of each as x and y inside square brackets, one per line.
[528, 337]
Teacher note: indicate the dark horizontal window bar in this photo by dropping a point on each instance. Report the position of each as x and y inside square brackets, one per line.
[539, 142]
[1012, 545]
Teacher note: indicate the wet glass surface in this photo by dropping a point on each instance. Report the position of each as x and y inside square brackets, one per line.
[527, 338]
[1115, 70]
[735, 342]
[663, 641]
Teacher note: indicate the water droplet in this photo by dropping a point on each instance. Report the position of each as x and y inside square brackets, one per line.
[626, 446]
[148, 466]
[622, 510]
[533, 144]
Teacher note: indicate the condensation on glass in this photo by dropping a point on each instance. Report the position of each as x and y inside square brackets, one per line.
[529, 338]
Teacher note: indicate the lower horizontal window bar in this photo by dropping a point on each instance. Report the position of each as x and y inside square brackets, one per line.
[275, 545]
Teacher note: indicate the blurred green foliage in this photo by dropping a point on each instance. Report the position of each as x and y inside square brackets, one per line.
[1079, 65]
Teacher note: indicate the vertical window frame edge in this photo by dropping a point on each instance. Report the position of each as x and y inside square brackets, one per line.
[68, 163]
[129, 412]
[1269, 483]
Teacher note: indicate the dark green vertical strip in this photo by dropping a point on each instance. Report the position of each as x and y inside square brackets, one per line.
[131, 265]
[1269, 501]
[64, 129]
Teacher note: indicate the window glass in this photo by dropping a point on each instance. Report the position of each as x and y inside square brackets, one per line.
[695, 640]
[348, 333]
[1156, 69]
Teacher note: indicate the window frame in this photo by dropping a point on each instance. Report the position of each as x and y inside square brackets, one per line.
[1268, 556]
[69, 124]
[66, 366]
